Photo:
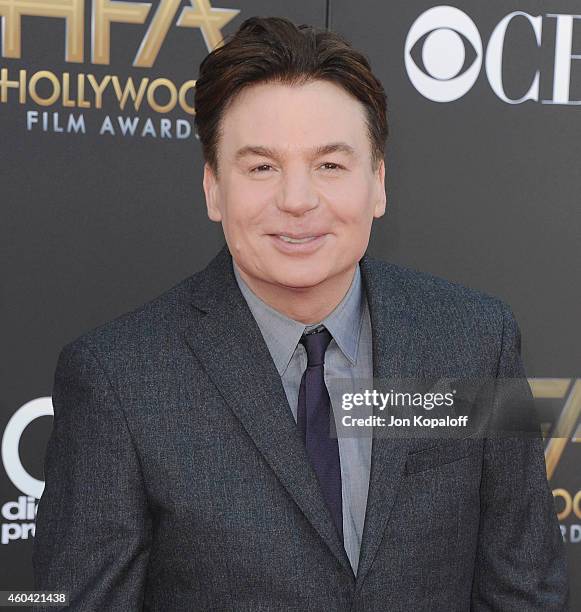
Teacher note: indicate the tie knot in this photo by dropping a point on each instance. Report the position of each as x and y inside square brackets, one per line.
[316, 344]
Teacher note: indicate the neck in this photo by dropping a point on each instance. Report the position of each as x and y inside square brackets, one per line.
[307, 305]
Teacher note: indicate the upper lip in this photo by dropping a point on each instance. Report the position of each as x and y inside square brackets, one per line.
[298, 235]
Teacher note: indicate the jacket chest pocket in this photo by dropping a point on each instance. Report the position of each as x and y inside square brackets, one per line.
[441, 454]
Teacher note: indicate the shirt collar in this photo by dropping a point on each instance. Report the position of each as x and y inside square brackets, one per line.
[282, 334]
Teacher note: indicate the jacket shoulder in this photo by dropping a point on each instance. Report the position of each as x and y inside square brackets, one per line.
[153, 321]
[446, 315]
[463, 328]
[437, 294]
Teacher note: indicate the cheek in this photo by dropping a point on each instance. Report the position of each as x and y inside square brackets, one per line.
[352, 203]
[244, 208]
[351, 197]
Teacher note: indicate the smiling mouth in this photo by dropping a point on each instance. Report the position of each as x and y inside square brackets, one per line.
[298, 244]
[292, 240]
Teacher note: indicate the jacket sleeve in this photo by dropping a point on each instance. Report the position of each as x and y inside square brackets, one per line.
[520, 559]
[93, 526]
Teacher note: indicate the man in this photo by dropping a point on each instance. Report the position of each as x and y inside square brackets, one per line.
[192, 464]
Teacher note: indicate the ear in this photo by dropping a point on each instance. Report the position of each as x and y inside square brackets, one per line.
[380, 195]
[210, 183]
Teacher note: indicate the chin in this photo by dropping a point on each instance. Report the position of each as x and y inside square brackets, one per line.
[302, 276]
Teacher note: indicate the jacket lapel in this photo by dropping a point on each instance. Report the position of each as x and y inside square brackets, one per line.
[229, 345]
[390, 315]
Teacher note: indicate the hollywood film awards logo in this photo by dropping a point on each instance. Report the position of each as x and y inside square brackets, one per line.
[452, 52]
[65, 101]
[18, 516]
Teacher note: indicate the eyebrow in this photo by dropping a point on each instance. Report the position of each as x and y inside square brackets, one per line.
[326, 149]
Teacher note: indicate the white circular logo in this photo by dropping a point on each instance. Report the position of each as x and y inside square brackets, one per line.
[443, 53]
[22, 480]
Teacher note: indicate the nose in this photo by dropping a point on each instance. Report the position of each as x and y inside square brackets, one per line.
[297, 194]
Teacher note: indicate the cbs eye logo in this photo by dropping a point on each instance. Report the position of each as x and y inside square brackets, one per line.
[447, 45]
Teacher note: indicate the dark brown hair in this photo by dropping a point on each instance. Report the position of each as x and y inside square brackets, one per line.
[265, 49]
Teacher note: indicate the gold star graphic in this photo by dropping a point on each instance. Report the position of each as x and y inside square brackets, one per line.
[209, 19]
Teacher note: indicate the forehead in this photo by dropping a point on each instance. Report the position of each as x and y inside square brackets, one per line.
[294, 117]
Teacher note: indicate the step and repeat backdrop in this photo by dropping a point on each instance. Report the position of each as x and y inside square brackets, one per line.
[103, 208]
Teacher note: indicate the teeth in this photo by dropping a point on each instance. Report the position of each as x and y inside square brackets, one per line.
[296, 240]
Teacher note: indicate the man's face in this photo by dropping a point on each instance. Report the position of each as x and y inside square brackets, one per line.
[296, 192]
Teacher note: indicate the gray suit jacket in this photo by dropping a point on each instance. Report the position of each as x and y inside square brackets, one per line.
[176, 478]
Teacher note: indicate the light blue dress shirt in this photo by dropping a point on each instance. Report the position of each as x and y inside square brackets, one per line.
[348, 360]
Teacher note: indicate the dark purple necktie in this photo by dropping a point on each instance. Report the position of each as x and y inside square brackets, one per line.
[313, 420]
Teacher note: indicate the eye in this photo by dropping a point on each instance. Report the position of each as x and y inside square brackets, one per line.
[260, 169]
[331, 166]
